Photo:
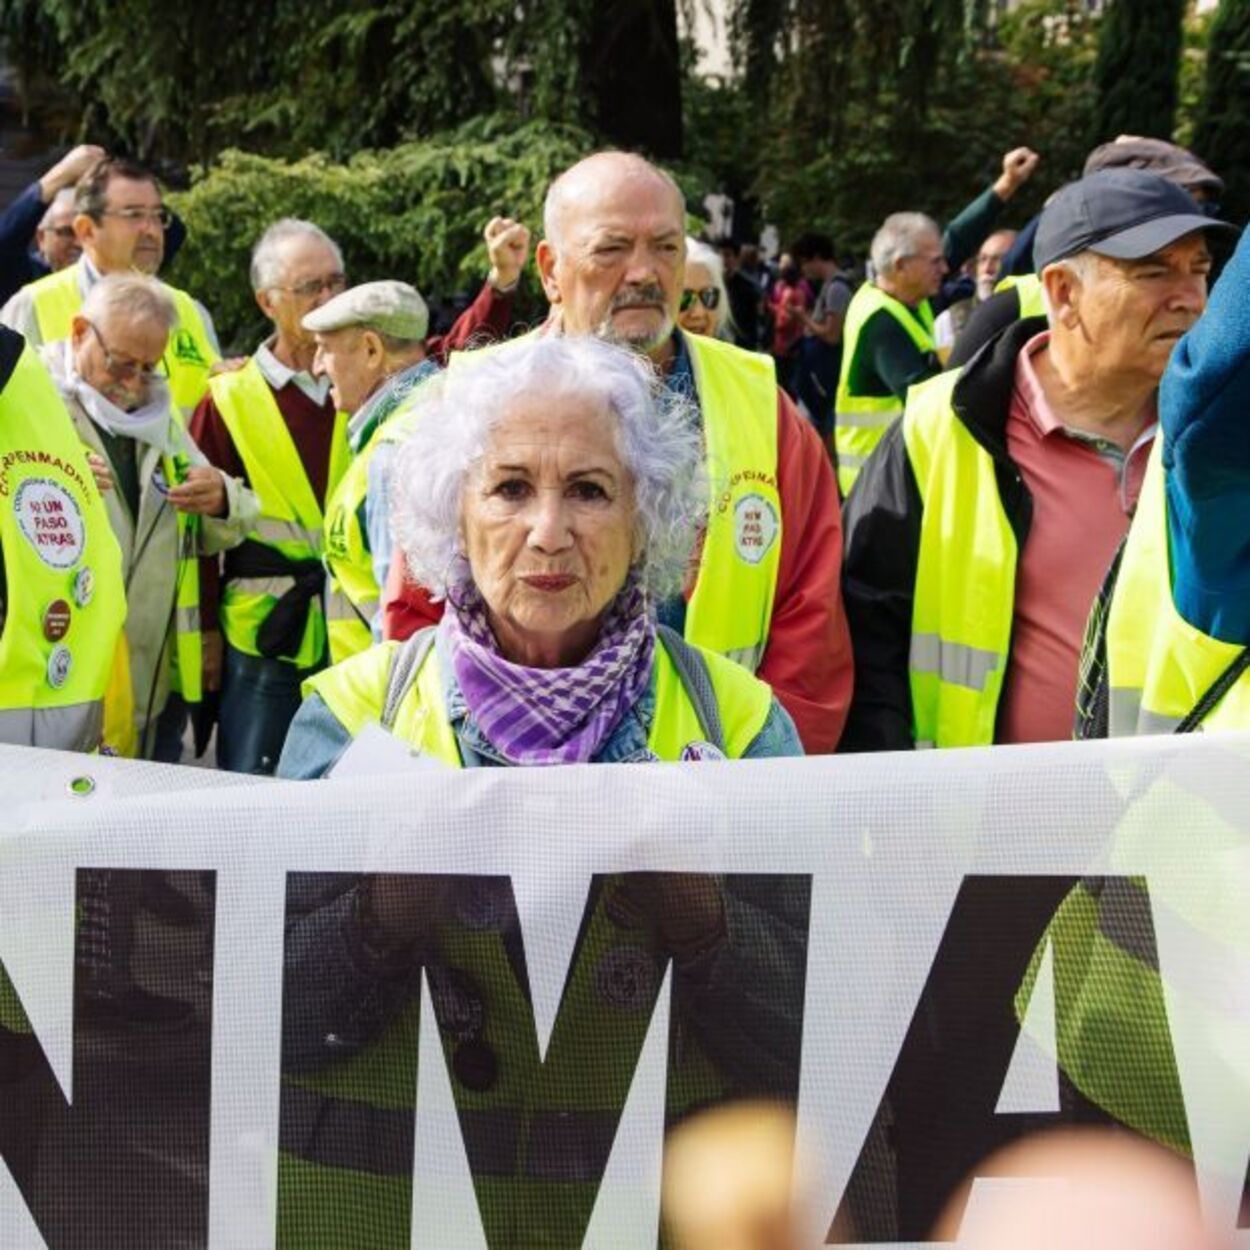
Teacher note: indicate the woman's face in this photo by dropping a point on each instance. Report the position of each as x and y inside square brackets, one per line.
[547, 524]
[696, 317]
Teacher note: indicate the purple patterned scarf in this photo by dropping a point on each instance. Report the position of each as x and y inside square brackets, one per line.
[550, 715]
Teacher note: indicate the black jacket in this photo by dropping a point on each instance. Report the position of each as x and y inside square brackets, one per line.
[882, 528]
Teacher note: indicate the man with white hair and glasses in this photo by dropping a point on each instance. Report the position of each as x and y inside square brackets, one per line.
[888, 334]
[273, 424]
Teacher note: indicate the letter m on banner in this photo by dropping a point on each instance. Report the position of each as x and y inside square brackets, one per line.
[537, 1123]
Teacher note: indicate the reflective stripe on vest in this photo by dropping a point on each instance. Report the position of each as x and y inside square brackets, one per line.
[58, 548]
[860, 421]
[57, 299]
[354, 595]
[730, 611]
[1029, 288]
[355, 692]
[1158, 665]
[965, 576]
[290, 518]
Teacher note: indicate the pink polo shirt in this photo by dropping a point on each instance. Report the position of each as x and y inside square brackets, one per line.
[1084, 491]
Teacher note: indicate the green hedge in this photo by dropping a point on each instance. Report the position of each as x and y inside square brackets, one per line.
[413, 212]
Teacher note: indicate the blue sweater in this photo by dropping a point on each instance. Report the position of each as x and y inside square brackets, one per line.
[1204, 411]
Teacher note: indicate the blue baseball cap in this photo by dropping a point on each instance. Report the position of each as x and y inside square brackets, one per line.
[1126, 214]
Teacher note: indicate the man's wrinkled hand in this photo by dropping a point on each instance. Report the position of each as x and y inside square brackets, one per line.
[203, 493]
[508, 245]
[100, 471]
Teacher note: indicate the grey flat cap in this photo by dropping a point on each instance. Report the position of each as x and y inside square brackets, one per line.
[388, 307]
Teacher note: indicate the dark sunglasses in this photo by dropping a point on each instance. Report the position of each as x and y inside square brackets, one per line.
[709, 297]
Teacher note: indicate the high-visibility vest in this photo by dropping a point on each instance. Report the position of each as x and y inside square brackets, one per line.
[354, 595]
[1116, 1011]
[860, 421]
[190, 353]
[1029, 288]
[356, 693]
[290, 516]
[1159, 666]
[65, 597]
[965, 576]
[366, 1100]
[731, 608]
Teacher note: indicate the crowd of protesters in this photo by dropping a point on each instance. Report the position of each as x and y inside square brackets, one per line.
[988, 490]
[252, 537]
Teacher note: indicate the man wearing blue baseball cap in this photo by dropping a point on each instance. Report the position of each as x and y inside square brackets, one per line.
[980, 531]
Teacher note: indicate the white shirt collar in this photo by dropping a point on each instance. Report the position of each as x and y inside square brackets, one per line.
[279, 375]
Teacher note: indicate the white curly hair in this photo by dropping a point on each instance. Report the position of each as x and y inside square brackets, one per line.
[658, 438]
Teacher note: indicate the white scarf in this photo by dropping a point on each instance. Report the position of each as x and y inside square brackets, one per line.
[149, 423]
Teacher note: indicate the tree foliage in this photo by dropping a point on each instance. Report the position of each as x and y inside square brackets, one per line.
[413, 212]
[1223, 135]
[1136, 73]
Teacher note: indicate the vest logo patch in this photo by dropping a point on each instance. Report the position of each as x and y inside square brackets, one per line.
[51, 522]
[187, 350]
[755, 528]
[693, 752]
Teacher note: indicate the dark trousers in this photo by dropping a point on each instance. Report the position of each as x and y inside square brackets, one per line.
[259, 699]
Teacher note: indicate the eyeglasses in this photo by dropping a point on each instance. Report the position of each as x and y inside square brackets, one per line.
[120, 370]
[141, 216]
[334, 283]
[709, 297]
[61, 232]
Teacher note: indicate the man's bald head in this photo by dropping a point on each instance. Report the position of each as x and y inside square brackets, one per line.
[593, 175]
[613, 256]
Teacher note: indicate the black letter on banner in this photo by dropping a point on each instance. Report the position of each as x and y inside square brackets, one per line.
[537, 1133]
[126, 1163]
[938, 1113]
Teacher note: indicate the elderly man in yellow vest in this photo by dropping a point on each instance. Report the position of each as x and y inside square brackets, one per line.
[979, 533]
[119, 219]
[371, 345]
[166, 504]
[766, 589]
[62, 598]
[888, 340]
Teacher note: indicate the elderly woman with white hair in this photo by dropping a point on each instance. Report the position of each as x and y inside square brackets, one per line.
[704, 307]
[551, 498]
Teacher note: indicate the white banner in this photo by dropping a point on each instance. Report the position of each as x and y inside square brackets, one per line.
[881, 909]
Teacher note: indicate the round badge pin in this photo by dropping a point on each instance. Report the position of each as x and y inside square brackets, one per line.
[84, 587]
[56, 618]
[626, 978]
[58, 667]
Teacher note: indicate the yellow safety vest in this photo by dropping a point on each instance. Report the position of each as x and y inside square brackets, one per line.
[1159, 666]
[965, 576]
[354, 596]
[66, 601]
[356, 693]
[188, 357]
[860, 421]
[290, 517]
[731, 609]
[1029, 287]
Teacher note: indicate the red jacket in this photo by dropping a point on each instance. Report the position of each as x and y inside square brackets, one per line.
[808, 658]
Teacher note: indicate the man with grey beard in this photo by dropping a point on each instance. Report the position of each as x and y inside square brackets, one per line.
[766, 589]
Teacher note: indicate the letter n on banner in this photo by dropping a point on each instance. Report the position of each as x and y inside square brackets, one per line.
[943, 1110]
[124, 1162]
[537, 1129]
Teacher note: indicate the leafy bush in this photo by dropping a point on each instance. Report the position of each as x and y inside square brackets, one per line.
[413, 212]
